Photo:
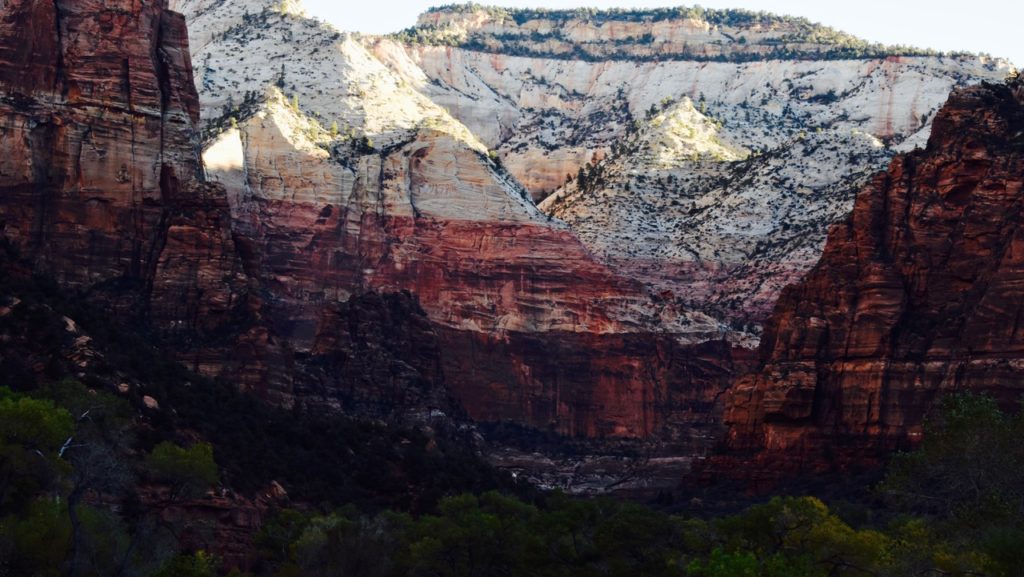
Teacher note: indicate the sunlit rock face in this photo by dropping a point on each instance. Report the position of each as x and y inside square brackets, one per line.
[343, 179]
[97, 133]
[917, 295]
[808, 113]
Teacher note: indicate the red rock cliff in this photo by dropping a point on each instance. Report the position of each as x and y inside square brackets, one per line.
[917, 294]
[101, 187]
[97, 116]
[532, 329]
[266, 285]
[99, 170]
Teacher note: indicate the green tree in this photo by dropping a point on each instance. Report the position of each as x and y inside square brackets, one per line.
[343, 545]
[800, 536]
[970, 465]
[187, 471]
[32, 423]
[472, 536]
[722, 564]
[36, 542]
[201, 564]
[32, 434]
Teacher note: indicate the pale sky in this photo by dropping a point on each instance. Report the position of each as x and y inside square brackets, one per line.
[992, 26]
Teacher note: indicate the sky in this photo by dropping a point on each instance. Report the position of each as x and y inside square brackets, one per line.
[995, 27]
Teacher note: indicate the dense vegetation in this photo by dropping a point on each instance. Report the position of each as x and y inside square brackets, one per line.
[958, 511]
[955, 507]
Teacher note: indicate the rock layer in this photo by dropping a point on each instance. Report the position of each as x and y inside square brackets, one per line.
[99, 174]
[399, 195]
[917, 295]
[267, 276]
[101, 187]
[503, 286]
[98, 138]
[552, 92]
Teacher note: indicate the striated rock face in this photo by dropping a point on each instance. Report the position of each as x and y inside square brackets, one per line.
[547, 114]
[400, 192]
[496, 278]
[99, 175]
[917, 294]
[553, 92]
[101, 186]
[269, 275]
[373, 187]
[98, 115]
[595, 386]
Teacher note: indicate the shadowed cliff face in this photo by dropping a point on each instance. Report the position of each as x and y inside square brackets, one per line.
[101, 187]
[918, 293]
[98, 134]
[323, 214]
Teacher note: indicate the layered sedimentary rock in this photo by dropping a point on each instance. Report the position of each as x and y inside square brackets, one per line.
[98, 116]
[504, 286]
[342, 179]
[98, 161]
[101, 187]
[645, 34]
[917, 294]
[816, 111]
[548, 111]
[715, 228]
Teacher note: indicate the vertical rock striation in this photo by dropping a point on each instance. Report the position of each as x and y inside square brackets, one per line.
[98, 116]
[101, 186]
[918, 294]
[99, 171]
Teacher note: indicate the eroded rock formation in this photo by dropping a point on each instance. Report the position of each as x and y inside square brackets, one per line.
[86, 195]
[371, 186]
[267, 275]
[503, 285]
[917, 295]
[101, 187]
[99, 172]
[812, 111]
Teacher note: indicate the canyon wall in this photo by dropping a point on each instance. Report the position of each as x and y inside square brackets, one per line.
[916, 295]
[102, 188]
[99, 170]
[349, 245]
[98, 133]
[810, 114]
[342, 179]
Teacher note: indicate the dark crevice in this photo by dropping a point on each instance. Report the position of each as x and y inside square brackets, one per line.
[44, 181]
[60, 82]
